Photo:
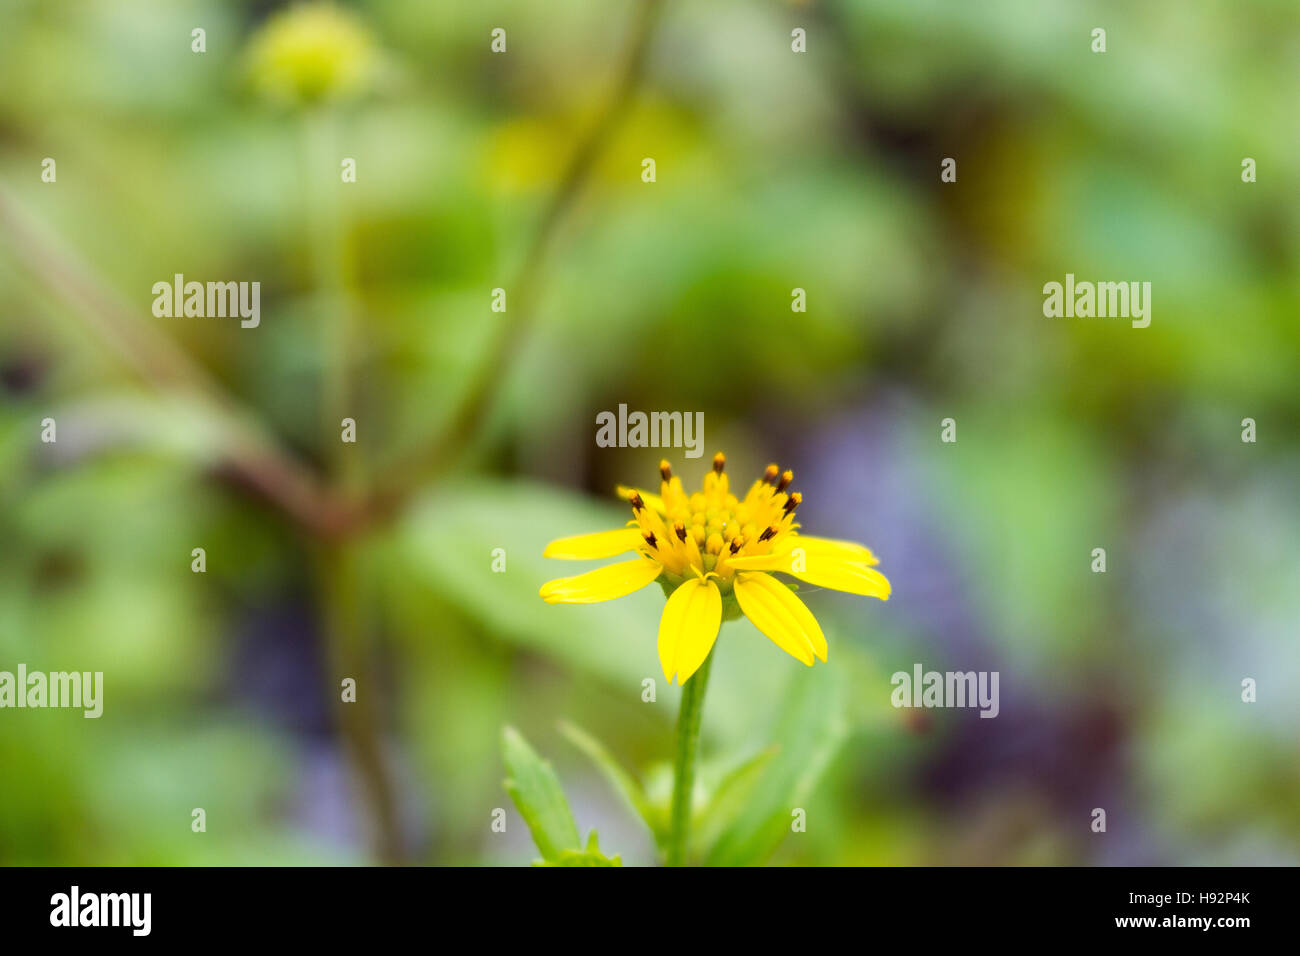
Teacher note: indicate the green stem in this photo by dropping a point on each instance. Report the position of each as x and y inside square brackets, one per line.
[466, 420]
[360, 722]
[688, 743]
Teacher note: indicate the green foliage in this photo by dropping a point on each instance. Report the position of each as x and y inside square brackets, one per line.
[745, 815]
[809, 731]
[729, 800]
[448, 540]
[653, 815]
[776, 170]
[536, 791]
[590, 856]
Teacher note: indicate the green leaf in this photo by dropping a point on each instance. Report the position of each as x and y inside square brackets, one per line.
[730, 797]
[627, 786]
[536, 791]
[810, 730]
[446, 544]
[591, 856]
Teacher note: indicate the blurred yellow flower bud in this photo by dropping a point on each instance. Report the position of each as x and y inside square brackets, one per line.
[312, 53]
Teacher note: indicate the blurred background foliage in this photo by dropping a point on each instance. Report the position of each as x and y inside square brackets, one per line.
[775, 171]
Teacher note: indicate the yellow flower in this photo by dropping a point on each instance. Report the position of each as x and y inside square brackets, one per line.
[715, 554]
[312, 53]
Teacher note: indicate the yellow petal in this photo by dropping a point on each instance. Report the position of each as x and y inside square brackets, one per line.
[847, 576]
[601, 544]
[603, 584]
[815, 554]
[688, 628]
[780, 615]
[776, 561]
[652, 501]
[832, 548]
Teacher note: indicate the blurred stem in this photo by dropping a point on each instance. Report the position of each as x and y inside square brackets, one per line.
[332, 274]
[348, 652]
[346, 631]
[154, 358]
[688, 744]
[488, 381]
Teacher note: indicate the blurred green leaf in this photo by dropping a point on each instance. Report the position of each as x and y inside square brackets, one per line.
[627, 786]
[448, 540]
[536, 791]
[730, 798]
[810, 730]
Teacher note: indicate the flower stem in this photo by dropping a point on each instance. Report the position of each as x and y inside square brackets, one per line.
[688, 741]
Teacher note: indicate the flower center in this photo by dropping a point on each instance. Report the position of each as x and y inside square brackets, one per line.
[699, 534]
